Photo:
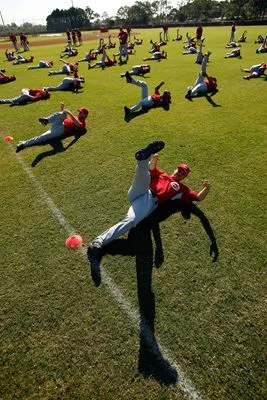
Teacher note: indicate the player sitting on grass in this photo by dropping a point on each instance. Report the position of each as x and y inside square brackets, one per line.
[27, 96]
[155, 100]
[256, 71]
[151, 187]
[202, 86]
[63, 124]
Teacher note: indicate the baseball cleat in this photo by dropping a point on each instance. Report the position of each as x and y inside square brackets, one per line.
[152, 148]
[94, 255]
[128, 77]
[20, 147]
[43, 121]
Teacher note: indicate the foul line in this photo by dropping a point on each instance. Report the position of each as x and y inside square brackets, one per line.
[184, 383]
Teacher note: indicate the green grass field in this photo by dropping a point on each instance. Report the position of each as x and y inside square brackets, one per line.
[63, 338]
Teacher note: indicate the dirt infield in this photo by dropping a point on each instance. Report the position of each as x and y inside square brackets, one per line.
[6, 44]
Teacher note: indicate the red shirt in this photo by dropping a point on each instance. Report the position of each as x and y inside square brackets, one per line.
[123, 36]
[166, 187]
[13, 38]
[156, 97]
[199, 32]
[37, 93]
[211, 85]
[69, 125]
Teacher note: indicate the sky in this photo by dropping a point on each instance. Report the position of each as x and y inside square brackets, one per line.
[36, 11]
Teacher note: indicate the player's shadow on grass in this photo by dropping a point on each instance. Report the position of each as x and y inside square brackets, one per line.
[57, 147]
[144, 110]
[152, 362]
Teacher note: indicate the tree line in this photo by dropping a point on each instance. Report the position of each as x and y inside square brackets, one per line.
[153, 13]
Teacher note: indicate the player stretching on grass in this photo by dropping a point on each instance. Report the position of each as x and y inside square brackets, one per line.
[63, 124]
[151, 186]
[155, 100]
[202, 85]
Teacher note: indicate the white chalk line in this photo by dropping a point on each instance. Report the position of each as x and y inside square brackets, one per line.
[184, 383]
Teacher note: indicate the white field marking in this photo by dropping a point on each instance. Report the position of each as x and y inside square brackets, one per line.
[184, 383]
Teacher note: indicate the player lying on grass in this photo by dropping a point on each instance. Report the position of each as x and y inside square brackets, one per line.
[27, 96]
[67, 69]
[63, 124]
[146, 102]
[139, 70]
[104, 62]
[23, 60]
[263, 47]
[204, 84]
[67, 84]
[157, 55]
[234, 53]
[151, 186]
[90, 56]
[10, 55]
[42, 64]
[243, 37]
[178, 36]
[232, 45]
[6, 78]
[256, 71]
[69, 52]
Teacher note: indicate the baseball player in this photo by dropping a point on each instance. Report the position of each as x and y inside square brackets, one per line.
[123, 39]
[91, 55]
[42, 64]
[27, 96]
[151, 186]
[23, 60]
[234, 53]
[6, 78]
[67, 69]
[63, 123]
[104, 62]
[67, 84]
[202, 85]
[157, 55]
[138, 70]
[10, 55]
[263, 47]
[156, 100]
[256, 71]
[232, 35]
[13, 39]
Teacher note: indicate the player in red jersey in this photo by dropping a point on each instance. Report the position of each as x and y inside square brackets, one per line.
[27, 96]
[13, 39]
[155, 100]
[6, 78]
[151, 186]
[256, 71]
[63, 124]
[204, 84]
[123, 39]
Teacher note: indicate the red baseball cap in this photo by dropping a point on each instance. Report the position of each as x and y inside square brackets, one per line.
[84, 110]
[185, 168]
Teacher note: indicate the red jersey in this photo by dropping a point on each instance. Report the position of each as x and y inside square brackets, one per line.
[199, 32]
[166, 187]
[69, 125]
[123, 37]
[156, 97]
[211, 84]
[37, 93]
[13, 38]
